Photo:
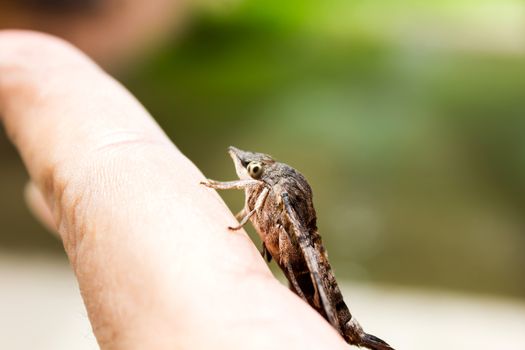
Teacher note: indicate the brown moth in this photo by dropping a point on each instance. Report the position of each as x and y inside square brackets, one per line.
[279, 204]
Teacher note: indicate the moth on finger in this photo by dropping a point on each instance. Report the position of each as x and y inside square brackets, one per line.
[278, 202]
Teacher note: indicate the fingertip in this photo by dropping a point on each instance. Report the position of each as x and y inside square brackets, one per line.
[21, 34]
[26, 48]
[37, 40]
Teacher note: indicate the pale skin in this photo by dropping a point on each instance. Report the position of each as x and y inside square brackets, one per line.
[156, 264]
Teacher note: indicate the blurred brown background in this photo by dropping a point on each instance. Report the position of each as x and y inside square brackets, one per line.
[408, 119]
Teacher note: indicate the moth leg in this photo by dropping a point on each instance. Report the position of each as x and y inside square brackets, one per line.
[311, 257]
[258, 204]
[229, 185]
[244, 220]
[241, 214]
[284, 259]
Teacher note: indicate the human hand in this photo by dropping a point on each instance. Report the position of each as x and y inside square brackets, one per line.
[156, 265]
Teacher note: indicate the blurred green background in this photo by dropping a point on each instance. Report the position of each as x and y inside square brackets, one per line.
[407, 118]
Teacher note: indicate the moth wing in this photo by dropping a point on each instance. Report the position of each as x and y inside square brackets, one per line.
[265, 253]
[311, 256]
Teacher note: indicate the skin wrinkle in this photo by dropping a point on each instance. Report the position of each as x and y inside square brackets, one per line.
[67, 203]
[127, 138]
[76, 204]
[76, 226]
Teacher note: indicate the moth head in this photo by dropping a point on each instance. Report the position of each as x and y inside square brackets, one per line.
[249, 165]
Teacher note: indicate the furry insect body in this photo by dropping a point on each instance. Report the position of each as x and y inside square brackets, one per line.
[279, 204]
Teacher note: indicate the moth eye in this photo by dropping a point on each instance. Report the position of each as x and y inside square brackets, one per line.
[255, 169]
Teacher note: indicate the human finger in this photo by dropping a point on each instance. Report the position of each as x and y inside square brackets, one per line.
[156, 265]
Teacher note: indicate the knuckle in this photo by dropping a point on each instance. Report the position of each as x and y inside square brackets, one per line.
[69, 203]
[118, 141]
[83, 192]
